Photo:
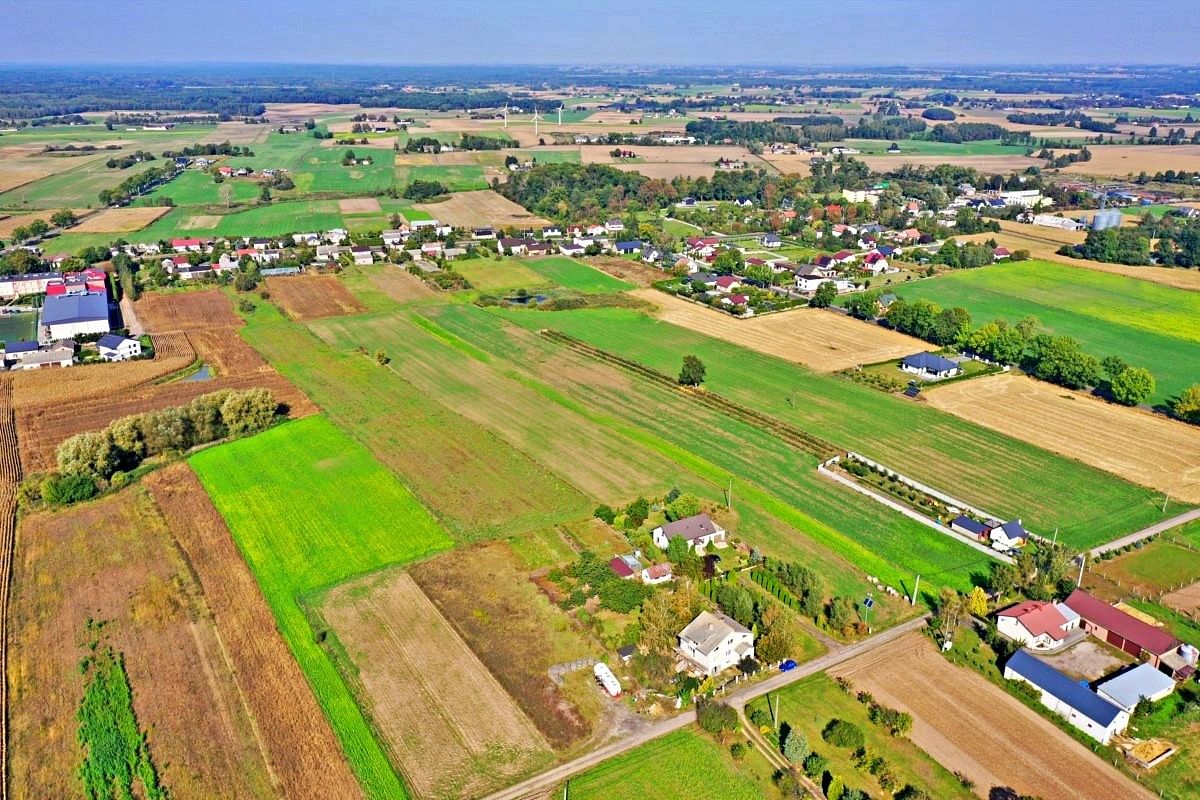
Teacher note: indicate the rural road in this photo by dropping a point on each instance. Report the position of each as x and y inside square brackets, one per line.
[1146, 533]
[552, 777]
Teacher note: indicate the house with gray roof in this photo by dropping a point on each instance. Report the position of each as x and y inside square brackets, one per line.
[714, 642]
[1132, 686]
[929, 366]
[697, 531]
[66, 316]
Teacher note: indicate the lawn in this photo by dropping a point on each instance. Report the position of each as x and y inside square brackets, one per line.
[572, 274]
[490, 275]
[683, 765]
[808, 705]
[989, 470]
[15, 327]
[310, 508]
[1147, 324]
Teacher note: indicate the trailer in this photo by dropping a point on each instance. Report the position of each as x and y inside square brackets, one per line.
[606, 679]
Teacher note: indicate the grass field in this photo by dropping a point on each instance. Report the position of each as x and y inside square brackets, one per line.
[990, 147]
[489, 275]
[1149, 325]
[196, 188]
[301, 531]
[683, 765]
[14, 327]
[572, 274]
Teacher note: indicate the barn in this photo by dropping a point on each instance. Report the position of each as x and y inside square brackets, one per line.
[1128, 633]
[1079, 705]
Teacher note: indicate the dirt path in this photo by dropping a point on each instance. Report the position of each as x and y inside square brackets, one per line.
[971, 726]
[130, 317]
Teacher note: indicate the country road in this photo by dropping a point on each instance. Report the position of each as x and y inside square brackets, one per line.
[1146, 533]
[552, 777]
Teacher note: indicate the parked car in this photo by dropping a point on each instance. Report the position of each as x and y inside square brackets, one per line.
[787, 666]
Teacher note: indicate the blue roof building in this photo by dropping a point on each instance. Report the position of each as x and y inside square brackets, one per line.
[928, 365]
[1078, 704]
[67, 315]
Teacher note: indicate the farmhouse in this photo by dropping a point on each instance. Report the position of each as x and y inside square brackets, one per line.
[628, 248]
[1143, 682]
[362, 255]
[571, 249]
[118, 348]
[727, 283]
[1080, 706]
[1121, 630]
[70, 315]
[1010, 534]
[394, 239]
[187, 245]
[713, 642]
[518, 247]
[929, 366]
[697, 531]
[1037, 624]
[771, 240]
[28, 355]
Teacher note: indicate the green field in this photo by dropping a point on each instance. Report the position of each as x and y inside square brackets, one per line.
[989, 147]
[808, 705]
[310, 508]
[77, 187]
[197, 188]
[1147, 324]
[490, 275]
[547, 156]
[18, 327]
[456, 178]
[571, 274]
[1155, 210]
[683, 765]
[987, 469]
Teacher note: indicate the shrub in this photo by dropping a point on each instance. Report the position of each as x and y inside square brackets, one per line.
[716, 717]
[760, 717]
[63, 490]
[738, 751]
[815, 765]
[841, 733]
[795, 747]
[605, 513]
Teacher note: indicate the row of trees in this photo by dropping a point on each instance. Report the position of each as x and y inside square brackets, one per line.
[137, 184]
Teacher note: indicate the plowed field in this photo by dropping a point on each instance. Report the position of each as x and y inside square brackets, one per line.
[183, 311]
[305, 297]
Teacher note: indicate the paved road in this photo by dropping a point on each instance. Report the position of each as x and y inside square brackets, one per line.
[1146, 533]
[556, 775]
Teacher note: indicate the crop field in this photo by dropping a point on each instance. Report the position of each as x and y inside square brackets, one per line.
[473, 209]
[449, 725]
[120, 220]
[919, 147]
[489, 275]
[461, 178]
[577, 275]
[1081, 427]
[77, 186]
[9, 223]
[305, 757]
[684, 765]
[513, 629]
[989, 470]
[300, 531]
[974, 740]
[197, 188]
[987, 164]
[1117, 160]
[818, 339]
[808, 705]
[461, 471]
[304, 297]
[186, 311]
[185, 692]
[359, 205]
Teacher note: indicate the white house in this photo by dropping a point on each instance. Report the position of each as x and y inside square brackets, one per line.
[395, 239]
[362, 255]
[697, 531]
[1009, 535]
[118, 348]
[29, 355]
[336, 236]
[1143, 682]
[713, 642]
[771, 240]
[1037, 624]
[927, 365]
[1080, 706]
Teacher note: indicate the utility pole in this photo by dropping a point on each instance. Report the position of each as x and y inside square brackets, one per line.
[1055, 537]
[729, 494]
[775, 716]
[1165, 498]
[1082, 563]
[915, 587]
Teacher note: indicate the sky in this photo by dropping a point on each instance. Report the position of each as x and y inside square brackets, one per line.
[600, 32]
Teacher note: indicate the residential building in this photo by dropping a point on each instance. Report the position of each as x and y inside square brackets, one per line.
[55, 354]
[1037, 624]
[727, 283]
[714, 642]
[1009, 535]
[28, 283]
[1132, 686]
[394, 239]
[771, 240]
[1079, 705]
[929, 366]
[362, 255]
[698, 531]
[118, 348]
[628, 248]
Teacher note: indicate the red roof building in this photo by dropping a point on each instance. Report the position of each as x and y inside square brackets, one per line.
[618, 565]
[1120, 629]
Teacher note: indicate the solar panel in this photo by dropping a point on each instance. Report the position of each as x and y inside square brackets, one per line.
[912, 391]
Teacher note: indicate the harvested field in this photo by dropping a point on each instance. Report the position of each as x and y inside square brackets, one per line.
[186, 310]
[975, 739]
[1185, 600]
[449, 724]
[305, 297]
[986, 164]
[359, 205]
[513, 630]
[634, 272]
[303, 756]
[400, 285]
[681, 154]
[120, 220]
[822, 340]
[473, 209]
[200, 222]
[1120, 160]
[225, 351]
[200, 733]
[10, 224]
[1081, 427]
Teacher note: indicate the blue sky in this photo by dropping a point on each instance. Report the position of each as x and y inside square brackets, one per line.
[690, 32]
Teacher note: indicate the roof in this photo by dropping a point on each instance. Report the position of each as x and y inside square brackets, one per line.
[691, 528]
[928, 361]
[1100, 613]
[619, 566]
[657, 571]
[112, 341]
[725, 281]
[633, 245]
[708, 630]
[20, 347]
[1054, 683]
[1128, 688]
[65, 308]
[1013, 529]
[1038, 617]
[974, 526]
[31, 276]
[627, 651]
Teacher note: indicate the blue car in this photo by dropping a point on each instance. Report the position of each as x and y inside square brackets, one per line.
[787, 666]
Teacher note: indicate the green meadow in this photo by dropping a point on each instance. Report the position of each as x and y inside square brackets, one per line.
[572, 274]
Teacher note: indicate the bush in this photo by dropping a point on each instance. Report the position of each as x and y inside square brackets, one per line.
[795, 747]
[64, 490]
[605, 513]
[815, 765]
[716, 717]
[760, 717]
[738, 751]
[841, 733]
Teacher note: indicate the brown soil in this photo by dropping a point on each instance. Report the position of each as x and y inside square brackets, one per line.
[305, 297]
[186, 310]
[359, 205]
[473, 209]
[120, 220]
[631, 271]
[400, 286]
[305, 759]
[449, 724]
[1185, 600]
[971, 726]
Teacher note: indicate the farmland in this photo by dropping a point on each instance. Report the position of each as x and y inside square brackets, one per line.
[1153, 326]
[185, 311]
[571, 274]
[474, 209]
[258, 484]
[120, 220]
[304, 297]
[1128, 160]
[910, 675]
[488, 275]
[449, 724]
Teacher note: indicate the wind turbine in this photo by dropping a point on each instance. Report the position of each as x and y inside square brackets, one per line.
[560, 108]
[506, 115]
[536, 117]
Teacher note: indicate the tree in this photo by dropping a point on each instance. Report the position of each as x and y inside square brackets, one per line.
[20, 233]
[840, 733]
[63, 218]
[795, 747]
[381, 358]
[692, 372]
[951, 326]
[606, 513]
[815, 765]
[862, 305]
[716, 717]
[248, 412]
[66, 489]
[265, 194]
[1061, 360]
[684, 506]
[1187, 405]
[38, 227]
[779, 634]
[1132, 386]
[840, 613]
[1113, 366]
[977, 602]
[825, 295]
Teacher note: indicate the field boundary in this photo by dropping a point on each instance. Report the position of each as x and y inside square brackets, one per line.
[10, 478]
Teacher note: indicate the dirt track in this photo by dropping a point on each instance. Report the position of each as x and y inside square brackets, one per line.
[972, 726]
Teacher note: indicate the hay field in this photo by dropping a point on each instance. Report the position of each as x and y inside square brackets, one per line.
[120, 220]
[985, 164]
[446, 721]
[822, 340]
[485, 207]
[185, 311]
[1166, 455]
[359, 205]
[10, 224]
[976, 739]
[680, 154]
[1119, 160]
[305, 297]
